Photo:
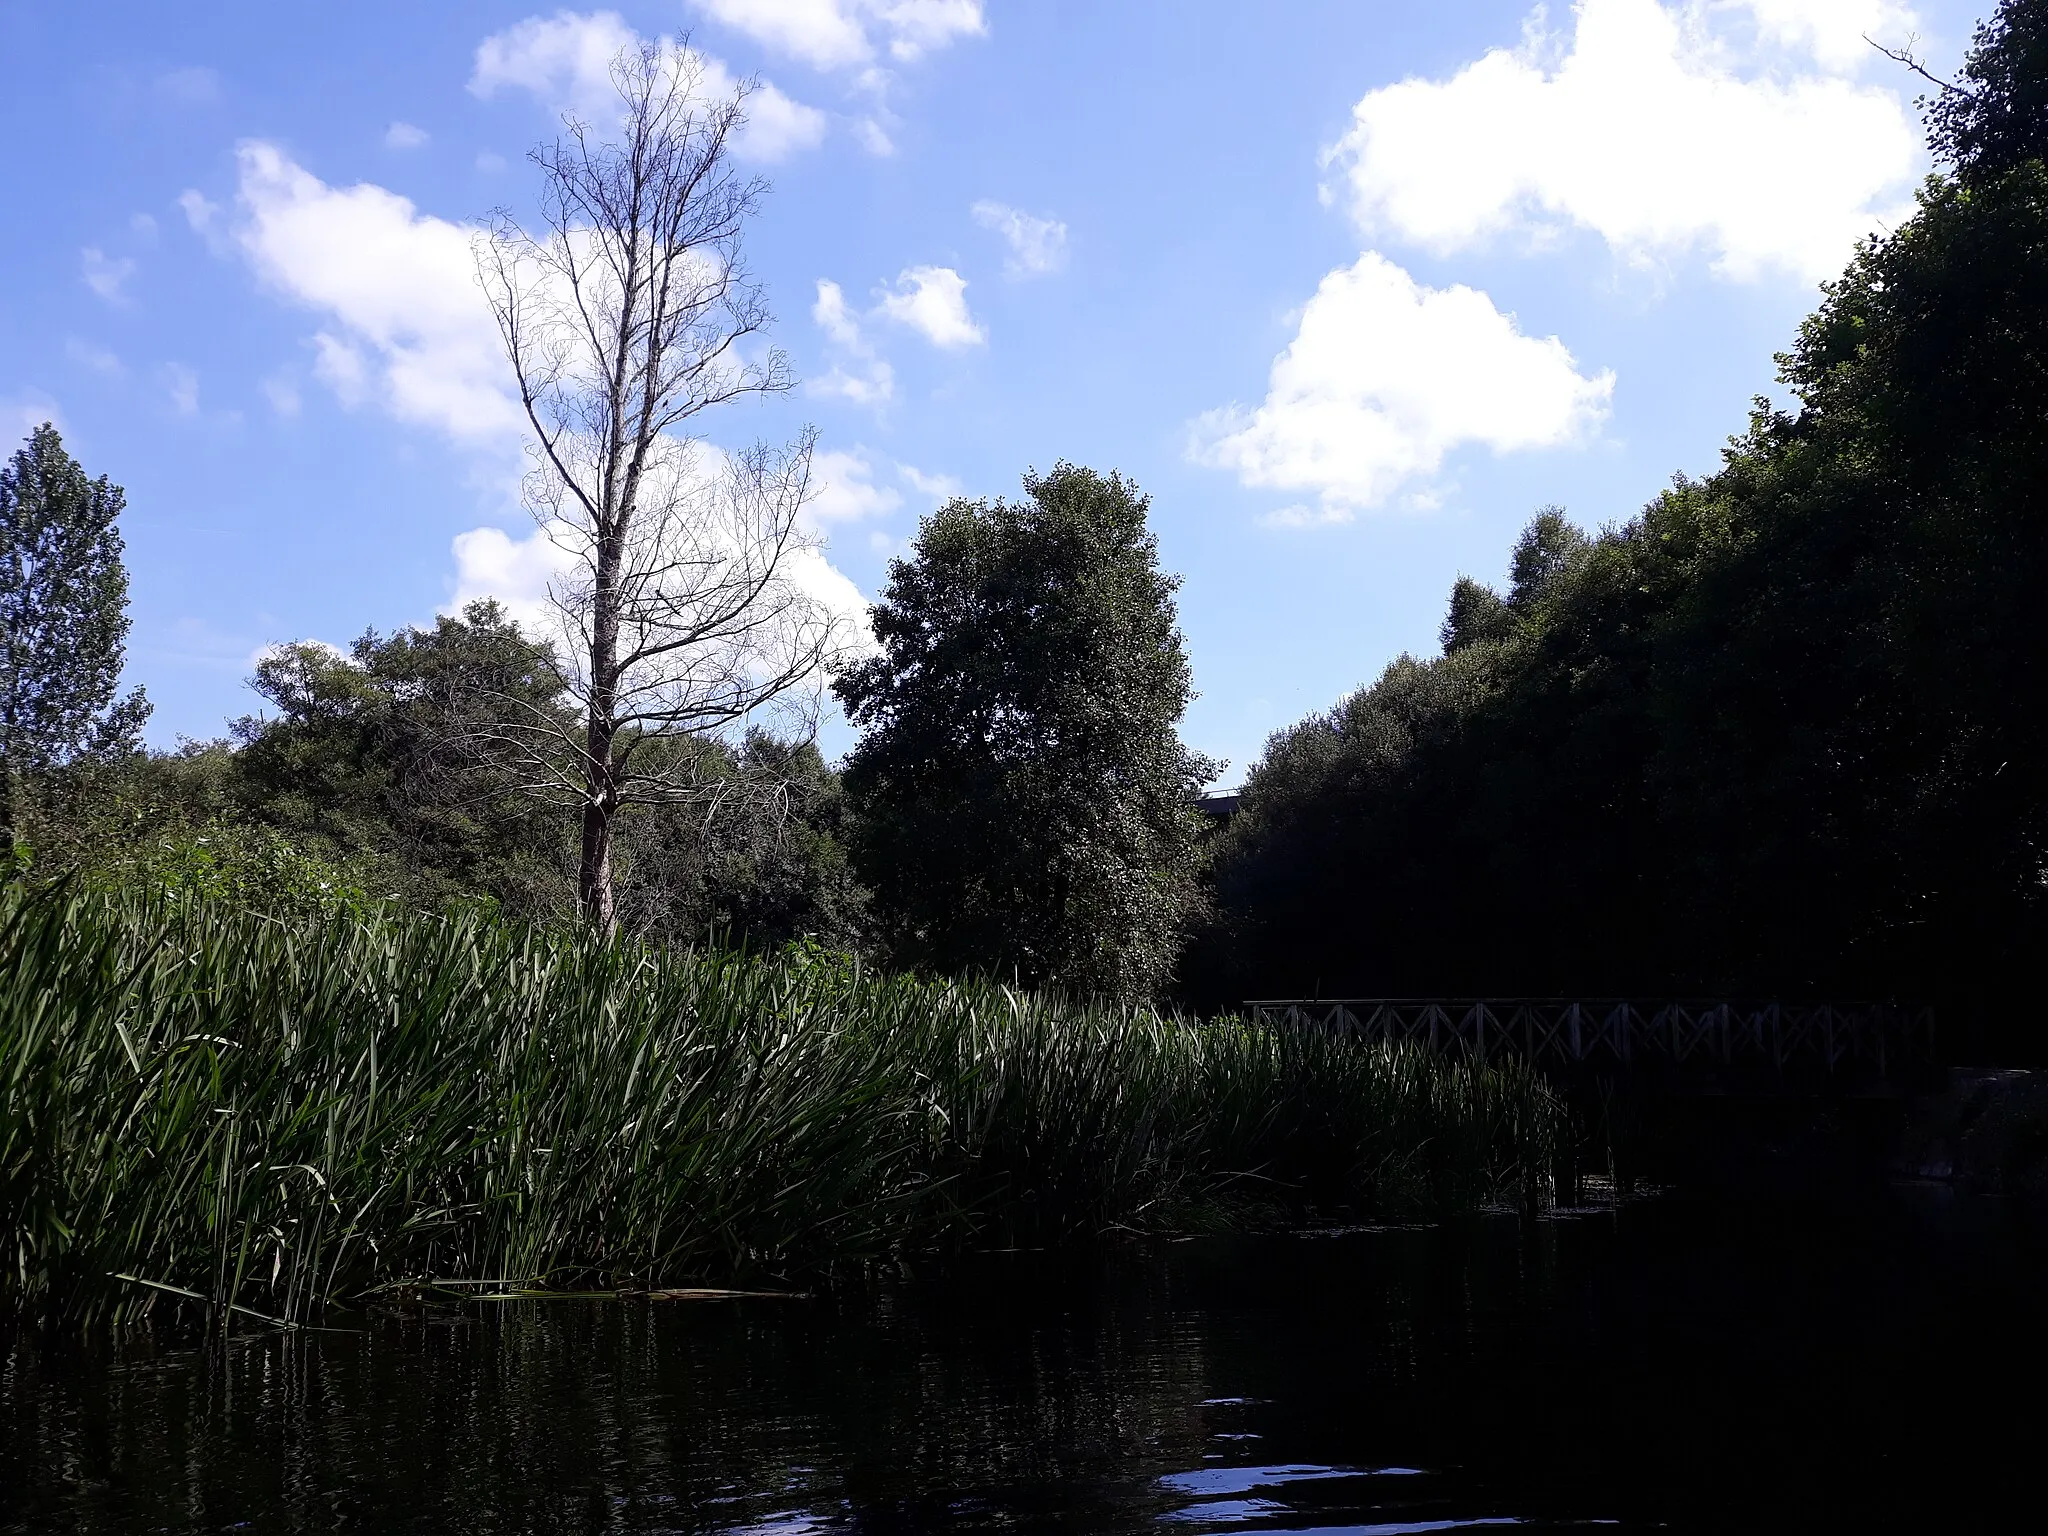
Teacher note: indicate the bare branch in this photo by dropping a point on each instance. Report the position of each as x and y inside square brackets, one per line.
[1905, 55]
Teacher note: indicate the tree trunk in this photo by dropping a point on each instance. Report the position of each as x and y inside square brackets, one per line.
[10, 800]
[600, 773]
[594, 877]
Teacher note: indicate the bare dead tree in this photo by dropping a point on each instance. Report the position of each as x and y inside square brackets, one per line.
[626, 315]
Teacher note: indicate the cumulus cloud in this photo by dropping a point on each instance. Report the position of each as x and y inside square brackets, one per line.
[199, 210]
[1384, 378]
[1037, 245]
[407, 324]
[519, 572]
[405, 136]
[1658, 127]
[565, 61]
[106, 275]
[490, 563]
[934, 488]
[852, 485]
[1834, 32]
[843, 489]
[933, 302]
[844, 34]
[929, 300]
[857, 374]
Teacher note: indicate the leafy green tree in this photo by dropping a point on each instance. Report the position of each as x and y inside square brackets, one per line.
[1478, 614]
[369, 758]
[63, 622]
[1023, 802]
[1996, 118]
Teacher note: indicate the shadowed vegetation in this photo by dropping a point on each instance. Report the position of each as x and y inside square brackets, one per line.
[200, 1101]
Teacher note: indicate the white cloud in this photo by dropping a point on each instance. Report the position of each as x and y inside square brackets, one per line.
[282, 393]
[934, 488]
[199, 210]
[91, 355]
[833, 317]
[859, 376]
[841, 34]
[826, 34]
[1651, 127]
[342, 368]
[871, 383]
[930, 300]
[409, 326]
[1037, 245]
[874, 138]
[933, 302]
[105, 275]
[1834, 32]
[143, 227]
[405, 136]
[778, 127]
[835, 590]
[1299, 515]
[490, 563]
[843, 489]
[916, 27]
[182, 385]
[565, 61]
[22, 414]
[1384, 378]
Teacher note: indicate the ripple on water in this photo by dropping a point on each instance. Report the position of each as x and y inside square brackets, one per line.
[1342, 1501]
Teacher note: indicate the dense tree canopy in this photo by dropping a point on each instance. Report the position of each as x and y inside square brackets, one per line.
[371, 756]
[1024, 801]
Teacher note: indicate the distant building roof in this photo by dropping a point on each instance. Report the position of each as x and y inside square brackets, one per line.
[1221, 806]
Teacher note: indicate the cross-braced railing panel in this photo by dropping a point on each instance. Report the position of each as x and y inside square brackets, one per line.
[1833, 1037]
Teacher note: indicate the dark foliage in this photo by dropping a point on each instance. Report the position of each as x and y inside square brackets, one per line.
[369, 758]
[1024, 802]
[1784, 732]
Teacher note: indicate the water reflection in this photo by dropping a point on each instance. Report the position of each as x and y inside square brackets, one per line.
[1660, 1368]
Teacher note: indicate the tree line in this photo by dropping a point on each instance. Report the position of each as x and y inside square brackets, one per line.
[1780, 733]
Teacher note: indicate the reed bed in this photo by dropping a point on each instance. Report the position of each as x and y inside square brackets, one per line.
[203, 1104]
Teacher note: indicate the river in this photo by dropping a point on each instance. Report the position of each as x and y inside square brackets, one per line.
[1670, 1364]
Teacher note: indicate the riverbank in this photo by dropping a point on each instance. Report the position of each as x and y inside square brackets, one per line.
[206, 1107]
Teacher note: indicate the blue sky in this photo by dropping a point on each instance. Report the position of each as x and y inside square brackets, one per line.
[1350, 289]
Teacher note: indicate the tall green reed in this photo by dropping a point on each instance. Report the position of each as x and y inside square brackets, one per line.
[267, 1116]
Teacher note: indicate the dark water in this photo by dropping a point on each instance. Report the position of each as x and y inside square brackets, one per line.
[1663, 1366]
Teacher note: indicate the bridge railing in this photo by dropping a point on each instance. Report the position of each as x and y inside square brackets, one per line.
[1865, 1038]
